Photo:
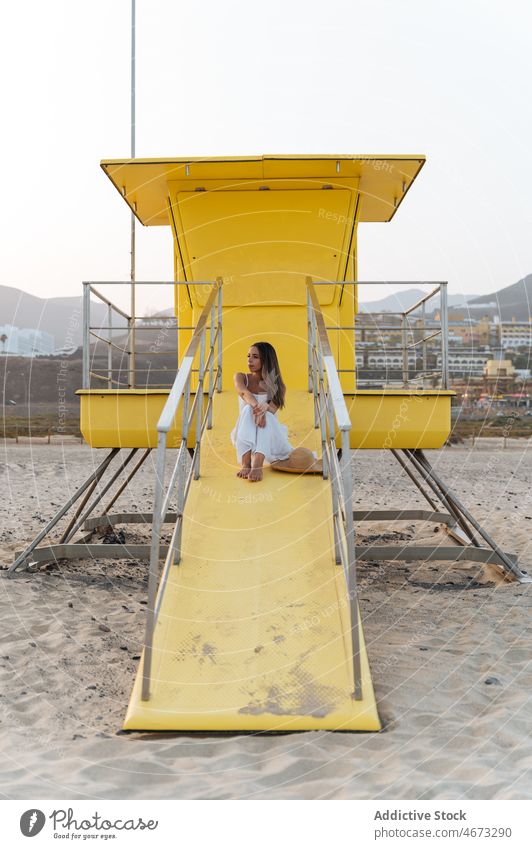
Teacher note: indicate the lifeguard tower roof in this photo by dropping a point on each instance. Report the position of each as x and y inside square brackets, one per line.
[381, 182]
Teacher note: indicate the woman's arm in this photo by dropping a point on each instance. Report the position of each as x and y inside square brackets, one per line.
[243, 391]
[267, 407]
[260, 412]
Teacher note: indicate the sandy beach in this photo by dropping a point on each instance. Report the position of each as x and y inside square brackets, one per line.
[449, 648]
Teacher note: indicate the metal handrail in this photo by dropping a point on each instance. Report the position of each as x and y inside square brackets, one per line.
[424, 299]
[405, 329]
[128, 329]
[149, 282]
[331, 415]
[180, 480]
[378, 282]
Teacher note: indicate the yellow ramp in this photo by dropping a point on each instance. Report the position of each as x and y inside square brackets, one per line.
[254, 627]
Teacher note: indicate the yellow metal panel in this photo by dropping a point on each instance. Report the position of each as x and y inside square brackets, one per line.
[285, 327]
[126, 418]
[390, 419]
[254, 628]
[230, 169]
[399, 419]
[328, 168]
[384, 180]
[264, 244]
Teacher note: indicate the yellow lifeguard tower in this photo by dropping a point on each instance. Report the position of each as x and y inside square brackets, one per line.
[253, 621]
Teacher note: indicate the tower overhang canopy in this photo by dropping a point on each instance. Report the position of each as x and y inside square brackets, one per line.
[380, 181]
[264, 223]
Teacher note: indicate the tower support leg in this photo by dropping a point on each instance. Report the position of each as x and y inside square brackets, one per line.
[94, 477]
[441, 495]
[461, 525]
[431, 474]
[80, 549]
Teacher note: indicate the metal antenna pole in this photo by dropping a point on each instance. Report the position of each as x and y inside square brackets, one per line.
[133, 306]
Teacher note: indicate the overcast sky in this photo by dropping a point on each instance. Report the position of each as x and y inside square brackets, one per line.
[447, 79]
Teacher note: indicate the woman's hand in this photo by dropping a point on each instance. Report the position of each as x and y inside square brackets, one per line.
[259, 414]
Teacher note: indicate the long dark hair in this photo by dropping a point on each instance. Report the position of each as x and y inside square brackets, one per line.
[271, 373]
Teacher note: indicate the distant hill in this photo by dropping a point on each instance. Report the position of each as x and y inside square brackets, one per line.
[399, 301]
[62, 317]
[512, 301]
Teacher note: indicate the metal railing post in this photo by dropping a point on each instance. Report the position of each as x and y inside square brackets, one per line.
[444, 336]
[211, 367]
[405, 349]
[334, 486]
[86, 335]
[219, 282]
[309, 342]
[199, 405]
[181, 476]
[315, 355]
[153, 576]
[130, 357]
[423, 345]
[132, 335]
[322, 413]
[347, 486]
[109, 347]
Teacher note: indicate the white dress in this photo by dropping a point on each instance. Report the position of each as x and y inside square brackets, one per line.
[270, 440]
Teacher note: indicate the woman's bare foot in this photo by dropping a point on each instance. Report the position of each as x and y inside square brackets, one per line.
[246, 465]
[256, 467]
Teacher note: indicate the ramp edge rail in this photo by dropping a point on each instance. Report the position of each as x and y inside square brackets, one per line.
[179, 479]
[330, 414]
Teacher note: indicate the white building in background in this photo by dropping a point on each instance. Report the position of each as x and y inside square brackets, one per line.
[32, 343]
[466, 362]
[9, 345]
[384, 359]
[25, 341]
[515, 334]
[390, 360]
